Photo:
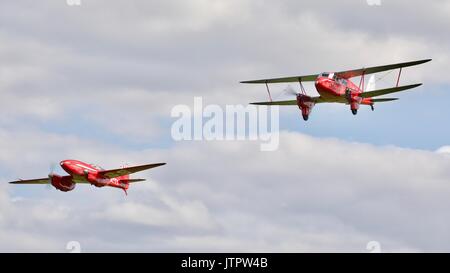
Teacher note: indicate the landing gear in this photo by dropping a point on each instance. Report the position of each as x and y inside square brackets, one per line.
[371, 107]
[354, 111]
[305, 117]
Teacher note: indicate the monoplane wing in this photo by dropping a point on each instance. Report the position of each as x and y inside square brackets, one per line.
[32, 181]
[127, 170]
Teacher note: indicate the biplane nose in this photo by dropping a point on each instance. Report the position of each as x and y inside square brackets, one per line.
[321, 83]
[321, 80]
[325, 87]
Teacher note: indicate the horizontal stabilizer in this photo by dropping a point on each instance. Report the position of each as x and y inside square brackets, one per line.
[132, 180]
[381, 92]
[384, 99]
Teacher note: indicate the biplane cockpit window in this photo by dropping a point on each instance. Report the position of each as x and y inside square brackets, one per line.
[325, 75]
[341, 81]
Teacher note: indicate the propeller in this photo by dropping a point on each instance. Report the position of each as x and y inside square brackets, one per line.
[290, 91]
[50, 175]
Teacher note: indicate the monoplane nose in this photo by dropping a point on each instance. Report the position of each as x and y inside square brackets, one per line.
[65, 164]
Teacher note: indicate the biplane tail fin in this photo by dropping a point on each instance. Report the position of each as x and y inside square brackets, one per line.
[371, 85]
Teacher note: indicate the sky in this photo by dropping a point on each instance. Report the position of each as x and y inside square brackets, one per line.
[97, 82]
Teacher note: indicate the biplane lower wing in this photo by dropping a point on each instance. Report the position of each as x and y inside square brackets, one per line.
[322, 100]
[285, 102]
[381, 92]
[290, 102]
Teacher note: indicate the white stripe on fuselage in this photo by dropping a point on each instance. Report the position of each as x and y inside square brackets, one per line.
[86, 167]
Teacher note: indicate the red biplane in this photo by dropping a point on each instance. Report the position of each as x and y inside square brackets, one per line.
[336, 87]
[80, 172]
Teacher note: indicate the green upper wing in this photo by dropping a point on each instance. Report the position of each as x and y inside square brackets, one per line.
[375, 69]
[344, 74]
[381, 92]
[307, 78]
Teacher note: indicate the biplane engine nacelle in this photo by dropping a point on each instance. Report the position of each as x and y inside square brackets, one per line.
[353, 99]
[306, 104]
[354, 104]
[62, 183]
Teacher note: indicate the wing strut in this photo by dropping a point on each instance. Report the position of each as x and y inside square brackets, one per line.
[268, 91]
[398, 78]
[301, 86]
[361, 82]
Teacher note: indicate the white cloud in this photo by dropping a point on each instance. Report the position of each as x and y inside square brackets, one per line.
[170, 214]
[310, 195]
[443, 150]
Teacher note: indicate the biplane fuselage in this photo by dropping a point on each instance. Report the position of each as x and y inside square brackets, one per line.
[333, 89]
[340, 90]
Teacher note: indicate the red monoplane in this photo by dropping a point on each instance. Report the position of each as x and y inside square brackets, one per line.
[80, 172]
[336, 87]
